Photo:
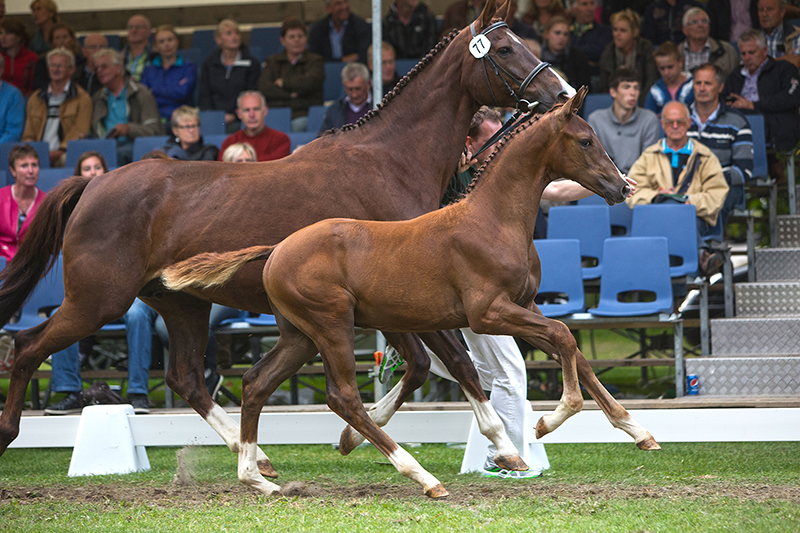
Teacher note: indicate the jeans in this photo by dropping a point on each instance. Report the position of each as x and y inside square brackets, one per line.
[66, 370]
[139, 328]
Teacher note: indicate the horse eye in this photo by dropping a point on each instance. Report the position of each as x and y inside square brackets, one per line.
[504, 51]
[586, 143]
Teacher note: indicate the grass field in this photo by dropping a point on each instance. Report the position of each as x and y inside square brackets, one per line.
[741, 487]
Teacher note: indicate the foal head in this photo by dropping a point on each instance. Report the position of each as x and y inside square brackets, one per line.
[576, 153]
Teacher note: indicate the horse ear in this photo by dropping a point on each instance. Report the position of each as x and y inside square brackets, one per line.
[486, 15]
[575, 103]
[503, 12]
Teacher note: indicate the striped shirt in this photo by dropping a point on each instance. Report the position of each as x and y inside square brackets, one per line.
[728, 135]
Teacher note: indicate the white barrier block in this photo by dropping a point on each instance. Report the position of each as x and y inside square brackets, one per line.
[104, 443]
[533, 453]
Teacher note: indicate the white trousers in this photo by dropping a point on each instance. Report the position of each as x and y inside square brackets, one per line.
[501, 370]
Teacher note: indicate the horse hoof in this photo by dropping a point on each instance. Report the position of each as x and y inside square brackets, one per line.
[648, 444]
[266, 469]
[437, 492]
[349, 440]
[541, 428]
[513, 462]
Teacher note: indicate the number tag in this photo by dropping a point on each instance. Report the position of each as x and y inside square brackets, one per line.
[479, 46]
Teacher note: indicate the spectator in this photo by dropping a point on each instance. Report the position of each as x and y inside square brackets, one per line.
[61, 35]
[678, 169]
[169, 76]
[700, 48]
[662, 20]
[725, 131]
[85, 76]
[674, 83]
[588, 36]
[269, 144]
[124, 109]
[226, 73]
[783, 38]
[768, 87]
[624, 129]
[239, 153]
[609, 7]
[557, 51]
[461, 13]
[187, 144]
[20, 62]
[91, 164]
[540, 11]
[732, 18]
[521, 29]
[62, 111]
[340, 35]
[389, 76]
[356, 103]
[44, 14]
[410, 27]
[136, 53]
[628, 50]
[294, 78]
[12, 109]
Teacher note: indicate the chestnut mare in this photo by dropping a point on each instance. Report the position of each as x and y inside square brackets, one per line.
[121, 229]
[470, 264]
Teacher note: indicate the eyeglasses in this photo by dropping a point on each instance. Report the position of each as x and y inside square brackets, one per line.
[678, 122]
[695, 22]
[188, 127]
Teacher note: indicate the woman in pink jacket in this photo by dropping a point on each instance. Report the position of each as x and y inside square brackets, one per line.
[18, 202]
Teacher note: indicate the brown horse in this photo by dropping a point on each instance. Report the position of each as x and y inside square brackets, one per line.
[121, 229]
[470, 264]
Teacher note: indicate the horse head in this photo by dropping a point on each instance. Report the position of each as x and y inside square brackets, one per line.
[581, 157]
[501, 70]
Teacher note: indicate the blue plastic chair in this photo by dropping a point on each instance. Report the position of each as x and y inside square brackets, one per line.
[203, 40]
[279, 118]
[212, 122]
[143, 145]
[48, 294]
[298, 139]
[50, 177]
[244, 320]
[216, 140]
[590, 224]
[620, 214]
[760, 167]
[676, 222]
[268, 39]
[41, 147]
[595, 101]
[635, 264]
[315, 115]
[105, 147]
[404, 66]
[561, 273]
[332, 88]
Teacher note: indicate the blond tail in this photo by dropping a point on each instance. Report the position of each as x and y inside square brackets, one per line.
[209, 269]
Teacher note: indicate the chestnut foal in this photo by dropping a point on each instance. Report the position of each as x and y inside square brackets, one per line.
[470, 264]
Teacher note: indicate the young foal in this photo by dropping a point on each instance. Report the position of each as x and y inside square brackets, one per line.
[471, 264]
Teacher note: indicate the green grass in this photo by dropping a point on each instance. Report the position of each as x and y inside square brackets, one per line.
[739, 487]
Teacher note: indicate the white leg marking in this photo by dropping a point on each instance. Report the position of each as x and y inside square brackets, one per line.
[224, 425]
[492, 427]
[632, 428]
[410, 468]
[380, 413]
[557, 417]
[248, 470]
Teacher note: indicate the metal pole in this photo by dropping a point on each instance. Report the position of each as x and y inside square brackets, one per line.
[377, 40]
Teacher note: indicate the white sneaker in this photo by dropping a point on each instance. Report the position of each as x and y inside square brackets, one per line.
[490, 469]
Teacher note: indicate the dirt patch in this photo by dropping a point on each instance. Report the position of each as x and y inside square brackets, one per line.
[180, 496]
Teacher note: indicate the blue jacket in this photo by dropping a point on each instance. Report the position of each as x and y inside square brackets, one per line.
[12, 113]
[659, 95]
[173, 87]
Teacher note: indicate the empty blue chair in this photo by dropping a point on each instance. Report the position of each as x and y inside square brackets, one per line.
[50, 177]
[676, 222]
[301, 138]
[404, 66]
[203, 40]
[279, 118]
[635, 264]
[590, 224]
[48, 294]
[620, 214]
[595, 101]
[257, 52]
[315, 115]
[5, 178]
[2, 263]
[268, 39]
[332, 86]
[760, 167]
[561, 274]
[143, 145]
[212, 122]
[216, 140]
[105, 147]
[193, 55]
[41, 147]
[244, 320]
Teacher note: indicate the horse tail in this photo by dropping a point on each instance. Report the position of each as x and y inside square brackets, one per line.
[210, 269]
[40, 247]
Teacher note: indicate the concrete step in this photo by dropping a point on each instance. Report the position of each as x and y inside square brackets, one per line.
[778, 264]
[768, 299]
[788, 231]
[755, 336]
[746, 376]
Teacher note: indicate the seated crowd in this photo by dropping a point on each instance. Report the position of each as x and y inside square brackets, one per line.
[670, 70]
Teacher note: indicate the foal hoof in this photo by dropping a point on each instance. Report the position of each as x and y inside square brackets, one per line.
[541, 428]
[513, 462]
[648, 444]
[266, 469]
[349, 440]
[436, 492]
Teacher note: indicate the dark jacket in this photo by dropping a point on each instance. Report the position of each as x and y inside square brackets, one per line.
[335, 116]
[571, 62]
[304, 79]
[196, 152]
[357, 38]
[414, 40]
[778, 100]
[645, 67]
[721, 20]
[592, 42]
[662, 22]
[220, 86]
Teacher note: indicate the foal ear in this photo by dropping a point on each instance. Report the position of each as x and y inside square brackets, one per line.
[575, 103]
[487, 14]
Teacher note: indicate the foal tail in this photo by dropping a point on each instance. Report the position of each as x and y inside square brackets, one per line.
[209, 269]
[40, 247]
